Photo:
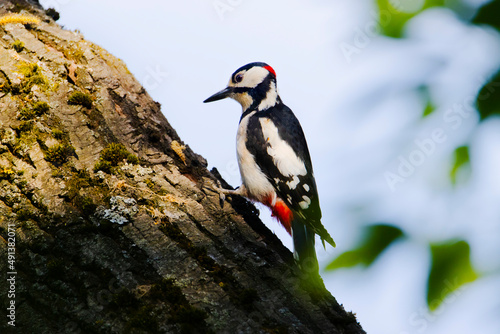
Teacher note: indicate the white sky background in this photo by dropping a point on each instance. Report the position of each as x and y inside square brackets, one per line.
[359, 113]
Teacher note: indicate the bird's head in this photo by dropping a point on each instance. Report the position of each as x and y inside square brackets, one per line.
[252, 85]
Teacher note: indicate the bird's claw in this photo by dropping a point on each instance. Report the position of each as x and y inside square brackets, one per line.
[215, 186]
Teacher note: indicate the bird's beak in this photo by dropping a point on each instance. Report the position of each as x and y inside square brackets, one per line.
[226, 92]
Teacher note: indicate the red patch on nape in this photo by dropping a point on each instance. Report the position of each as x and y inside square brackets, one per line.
[282, 212]
[270, 69]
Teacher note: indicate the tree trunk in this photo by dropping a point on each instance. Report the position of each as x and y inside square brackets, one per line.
[108, 224]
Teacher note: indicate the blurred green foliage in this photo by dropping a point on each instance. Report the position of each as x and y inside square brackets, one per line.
[461, 159]
[429, 106]
[451, 265]
[488, 99]
[393, 15]
[450, 269]
[489, 14]
[375, 240]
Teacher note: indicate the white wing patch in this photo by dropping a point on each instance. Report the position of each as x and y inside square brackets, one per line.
[306, 187]
[305, 203]
[285, 159]
[293, 184]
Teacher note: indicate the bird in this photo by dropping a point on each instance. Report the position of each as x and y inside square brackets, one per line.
[274, 160]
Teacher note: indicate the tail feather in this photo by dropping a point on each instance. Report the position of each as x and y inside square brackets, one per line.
[303, 244]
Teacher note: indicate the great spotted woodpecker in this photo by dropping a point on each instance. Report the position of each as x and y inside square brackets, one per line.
[274, 160]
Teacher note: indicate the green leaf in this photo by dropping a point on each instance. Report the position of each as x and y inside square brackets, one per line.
[488, 99]
[393, 15]
[450, 269]
[429, 109]
[489, 14]
[376, 239]
[426, 96]
[461, 160]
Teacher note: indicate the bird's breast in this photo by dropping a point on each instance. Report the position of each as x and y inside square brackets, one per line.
[254, 180]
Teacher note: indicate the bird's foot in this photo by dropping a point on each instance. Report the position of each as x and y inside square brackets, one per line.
[215, 186]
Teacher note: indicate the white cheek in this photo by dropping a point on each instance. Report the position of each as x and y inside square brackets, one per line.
[253, 77]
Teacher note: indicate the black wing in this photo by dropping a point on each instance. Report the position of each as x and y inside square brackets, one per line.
[298, 191]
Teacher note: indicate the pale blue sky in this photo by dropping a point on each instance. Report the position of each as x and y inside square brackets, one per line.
[361, 116]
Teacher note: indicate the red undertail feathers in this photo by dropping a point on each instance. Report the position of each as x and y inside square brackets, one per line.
[282, 212]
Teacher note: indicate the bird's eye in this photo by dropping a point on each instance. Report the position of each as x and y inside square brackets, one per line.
[238, 78]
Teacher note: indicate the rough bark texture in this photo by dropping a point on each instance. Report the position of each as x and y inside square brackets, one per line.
[116, 230]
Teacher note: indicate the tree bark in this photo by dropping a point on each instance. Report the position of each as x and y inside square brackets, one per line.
[111, 223]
